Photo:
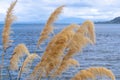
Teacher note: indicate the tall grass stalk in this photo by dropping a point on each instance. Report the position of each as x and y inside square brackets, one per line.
[10, 18]
[49, 25]
[27, 61]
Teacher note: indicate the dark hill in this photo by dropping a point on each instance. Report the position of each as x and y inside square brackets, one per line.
[113, 21]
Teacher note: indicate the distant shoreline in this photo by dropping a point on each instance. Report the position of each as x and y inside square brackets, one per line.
[55, 23]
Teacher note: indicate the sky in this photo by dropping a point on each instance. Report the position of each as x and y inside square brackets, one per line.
[75, 10]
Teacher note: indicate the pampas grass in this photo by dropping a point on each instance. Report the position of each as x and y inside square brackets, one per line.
[28, 61]
[78, 41]
[48, 27]
[6, 41]
[65, 65]
[81, 38]
[26, 64]
[84, 75]
[93, 73]
[88, 27]
[7, 27]
[101, 71]
[18, 52]
[54, 51]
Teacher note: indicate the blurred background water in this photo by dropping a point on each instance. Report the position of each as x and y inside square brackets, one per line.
[106, 52]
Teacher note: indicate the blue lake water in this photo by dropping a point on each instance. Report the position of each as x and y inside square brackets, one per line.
[105, 53]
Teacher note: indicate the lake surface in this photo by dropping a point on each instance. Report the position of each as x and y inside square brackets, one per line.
[106, 52]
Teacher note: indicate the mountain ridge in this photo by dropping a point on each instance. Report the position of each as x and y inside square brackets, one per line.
[116, 20]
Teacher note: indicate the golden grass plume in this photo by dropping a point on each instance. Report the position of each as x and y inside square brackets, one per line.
[65, 65]
[54, 51]
[80, 40]
[48, 27]
[101, 71]
[93, 73]
[83, 75]
[26, 64]
[18, 52]
[89, 28]
[7, 26]
[28, 61]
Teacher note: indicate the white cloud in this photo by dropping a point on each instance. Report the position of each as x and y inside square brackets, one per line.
[86, 13]
[39, 10]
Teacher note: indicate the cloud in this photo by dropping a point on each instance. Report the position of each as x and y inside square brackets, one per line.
[39, 10]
